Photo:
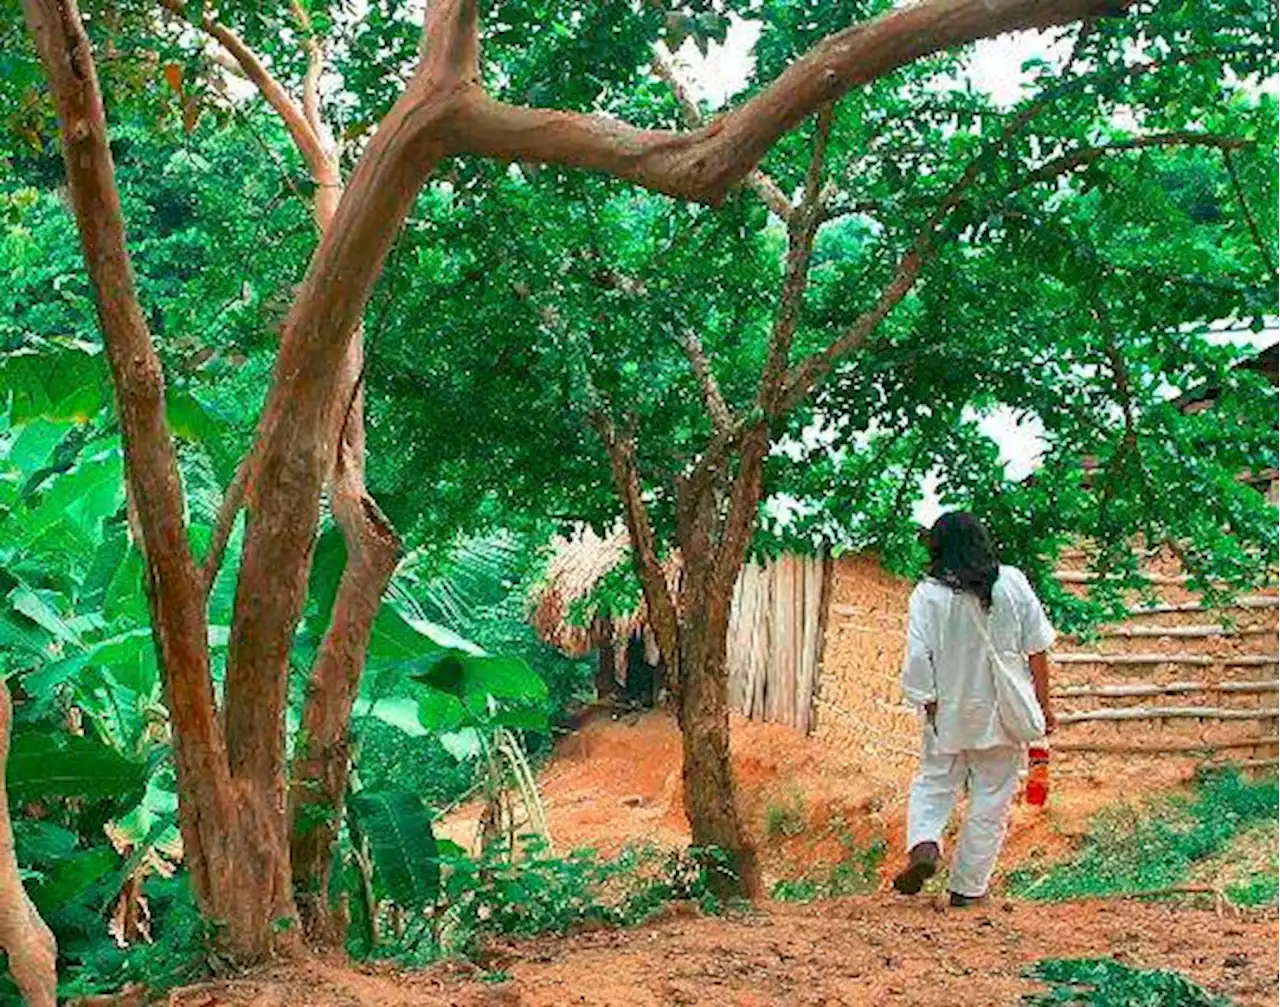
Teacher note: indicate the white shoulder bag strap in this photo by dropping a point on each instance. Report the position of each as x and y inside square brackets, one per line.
[1016, 701]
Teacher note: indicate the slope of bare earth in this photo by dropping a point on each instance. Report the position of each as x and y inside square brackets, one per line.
[876, 950]
[805, 802]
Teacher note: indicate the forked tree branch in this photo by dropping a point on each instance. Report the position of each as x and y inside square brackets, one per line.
[815, 368]
[1263, 252]
[315, 67]
[717, 408]
[151, 461]
[766, 188]
[1088, 155]
[294, 118]
[626, 480]
[703, 163]
[232, 501]
[801, 231]
[451, 40]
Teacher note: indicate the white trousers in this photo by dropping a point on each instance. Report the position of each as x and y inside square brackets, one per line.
[992, 778]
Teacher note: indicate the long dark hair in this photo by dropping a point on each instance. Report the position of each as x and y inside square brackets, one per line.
[962, 556]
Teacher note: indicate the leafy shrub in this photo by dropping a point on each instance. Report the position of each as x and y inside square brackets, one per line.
[1101, 982]
[543, 893]
[785, 817]
[1132, 850]
[180, 954]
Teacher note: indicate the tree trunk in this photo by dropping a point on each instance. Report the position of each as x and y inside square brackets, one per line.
[710, 793]
[606, 662]
[321, 764]
[232, 829]
[322, 761]
[23, 934]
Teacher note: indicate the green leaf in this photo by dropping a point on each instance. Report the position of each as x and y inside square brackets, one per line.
[55, 765]
[72, 877]
[402, 845]
[438, 711]
[400, 712]
[20, 634]
[40, 608]
[34, 444]
[485, 675]
[60, 381]
[42, 843]
[521, 718]
[399, 637]
[126, 595]
[463, 745]
[129, 656]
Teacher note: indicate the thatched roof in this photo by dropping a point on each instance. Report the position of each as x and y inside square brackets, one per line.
[577, 565]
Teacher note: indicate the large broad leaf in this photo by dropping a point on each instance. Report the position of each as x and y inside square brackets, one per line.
[322, 586]
[439, 711]
[126, 595]
[400, 712]
[465, 675]
[19, 633]
[193, 420]
[397, 825]
[72, 877]
[42, 608]
[463, 745]
[65, 381]
[42, 766]
[42, 843]
[70, 512]
[482, 689]
[402, 638]
[33, 445]
[130, 657]
[106, 563]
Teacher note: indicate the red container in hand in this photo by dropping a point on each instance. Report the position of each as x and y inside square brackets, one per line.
[1037, 791]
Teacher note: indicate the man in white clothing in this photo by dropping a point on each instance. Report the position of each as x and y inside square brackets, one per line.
[968, 606]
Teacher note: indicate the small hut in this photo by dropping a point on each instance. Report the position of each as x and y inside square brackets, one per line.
[775, 632]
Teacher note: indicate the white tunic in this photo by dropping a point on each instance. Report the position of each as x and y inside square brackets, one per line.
[947, 660]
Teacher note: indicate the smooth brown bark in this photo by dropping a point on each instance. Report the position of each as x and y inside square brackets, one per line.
[238, 861]
[702, 164]
[24, 938]
[322, 761]
[321, 764]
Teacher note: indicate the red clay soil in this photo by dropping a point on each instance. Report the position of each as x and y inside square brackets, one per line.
[618, 781]
[877, 950]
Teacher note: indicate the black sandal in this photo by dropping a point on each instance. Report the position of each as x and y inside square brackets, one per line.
[922, 865]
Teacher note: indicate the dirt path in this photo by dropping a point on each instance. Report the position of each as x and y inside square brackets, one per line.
[876, 950]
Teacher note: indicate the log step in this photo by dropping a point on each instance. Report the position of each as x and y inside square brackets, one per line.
[1089, 577]
[1127, 690]
[1192, 748]
[1197, 660]
[1190, 632]
[1167, 713]
[1247, 601]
